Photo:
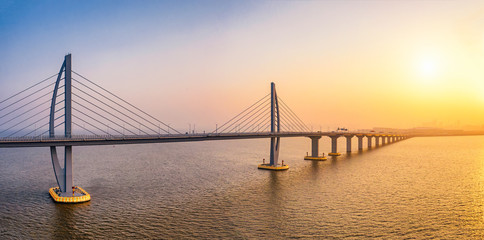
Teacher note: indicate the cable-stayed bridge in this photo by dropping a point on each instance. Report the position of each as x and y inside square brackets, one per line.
[67, 109]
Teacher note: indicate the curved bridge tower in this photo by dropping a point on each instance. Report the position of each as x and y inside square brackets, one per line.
[66, 192]
[275, 141]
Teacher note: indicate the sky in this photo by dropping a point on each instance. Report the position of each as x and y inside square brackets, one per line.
[353, 64]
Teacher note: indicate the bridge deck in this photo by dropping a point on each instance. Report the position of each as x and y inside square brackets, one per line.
[137, 139]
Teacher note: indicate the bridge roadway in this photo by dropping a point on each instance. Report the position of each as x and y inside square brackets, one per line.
[90, 140]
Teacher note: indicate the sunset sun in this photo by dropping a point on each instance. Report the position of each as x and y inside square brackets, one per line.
[428, 69]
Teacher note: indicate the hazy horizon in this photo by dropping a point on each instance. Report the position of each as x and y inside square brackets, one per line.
[353, 64]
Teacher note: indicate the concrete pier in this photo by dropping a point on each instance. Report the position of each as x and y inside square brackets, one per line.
[315, 146]
[334, 146]
[348, 143]
[360, 142]
[315, 150]
[369, 140]
[377, 141]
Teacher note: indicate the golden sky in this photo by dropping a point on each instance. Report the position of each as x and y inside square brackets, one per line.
[354, 64]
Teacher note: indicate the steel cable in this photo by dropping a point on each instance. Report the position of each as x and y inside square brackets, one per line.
[125, 102]
[105, 112]
[246, 116]
[88, 123]
[100, 121]
[28, 88]
[283, 103]
[241, 112]
[293, 116]
[117, 110]
[35, 115]
[256, 118]
[242, 117]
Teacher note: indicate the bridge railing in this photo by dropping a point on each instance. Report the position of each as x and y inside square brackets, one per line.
[154, 136]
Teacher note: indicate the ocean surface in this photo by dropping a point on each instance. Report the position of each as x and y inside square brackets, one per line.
[420, 188]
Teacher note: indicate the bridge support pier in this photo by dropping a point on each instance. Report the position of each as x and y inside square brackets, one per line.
[383, 140]
[377, 141]
[315, 150]
[275, 141]
[369, 140]
[348, 143]
[334, 146]
[360, 143]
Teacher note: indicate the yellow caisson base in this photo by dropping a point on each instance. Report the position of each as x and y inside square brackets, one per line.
[315, 158]
[274, 168]
[334, 154]
[83, 196]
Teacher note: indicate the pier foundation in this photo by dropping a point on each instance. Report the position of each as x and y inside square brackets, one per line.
[315, 150]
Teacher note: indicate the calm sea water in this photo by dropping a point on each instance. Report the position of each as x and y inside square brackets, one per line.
[417, 188]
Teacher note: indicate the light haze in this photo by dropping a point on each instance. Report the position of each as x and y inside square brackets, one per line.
[354, 64]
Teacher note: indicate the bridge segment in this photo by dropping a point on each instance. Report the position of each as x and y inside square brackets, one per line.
[103, 118]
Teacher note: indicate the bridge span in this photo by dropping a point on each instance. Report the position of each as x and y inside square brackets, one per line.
[88, 114]
[89, 140]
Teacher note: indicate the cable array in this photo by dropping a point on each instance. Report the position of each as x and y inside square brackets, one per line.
[257, 118]
[97, 111]
[252, 119]
[290, 122]
[26, 113]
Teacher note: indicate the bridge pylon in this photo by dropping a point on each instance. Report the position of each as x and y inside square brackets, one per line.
[65, 192]
[275, 141]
